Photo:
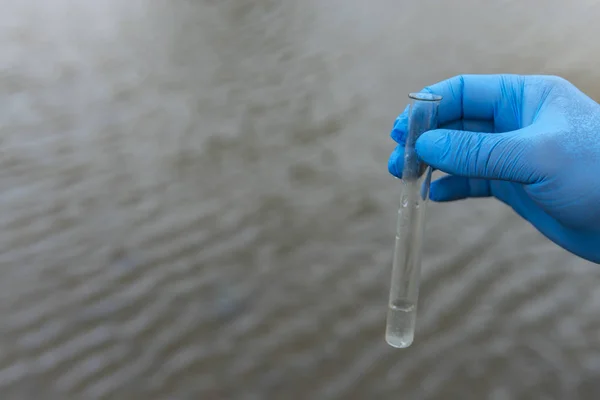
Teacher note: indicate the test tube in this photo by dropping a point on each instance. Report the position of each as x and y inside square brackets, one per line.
[406, 268]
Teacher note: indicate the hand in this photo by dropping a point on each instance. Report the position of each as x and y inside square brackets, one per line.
[541, 155]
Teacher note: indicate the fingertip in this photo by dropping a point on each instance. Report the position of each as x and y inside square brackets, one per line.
[449, 188]
[432, 146]
[398, 135]
[391, 166]
[402, 115]
[435, 193]
[398, 132]
[396, 161]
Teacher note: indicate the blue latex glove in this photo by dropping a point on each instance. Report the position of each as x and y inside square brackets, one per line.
[541, 155]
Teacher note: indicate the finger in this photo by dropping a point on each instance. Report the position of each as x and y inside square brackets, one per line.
[396, 161]
[472, 125]
[400, 127]
[451, 188]
[476, 96]
[478, 155]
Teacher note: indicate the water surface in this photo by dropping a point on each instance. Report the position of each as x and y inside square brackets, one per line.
[194, 204]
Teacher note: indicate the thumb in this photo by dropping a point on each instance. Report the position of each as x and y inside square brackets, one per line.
[477, 155]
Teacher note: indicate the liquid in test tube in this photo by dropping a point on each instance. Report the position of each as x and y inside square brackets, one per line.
[406, 268]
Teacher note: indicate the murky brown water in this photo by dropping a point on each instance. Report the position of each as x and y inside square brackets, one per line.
[194, 204]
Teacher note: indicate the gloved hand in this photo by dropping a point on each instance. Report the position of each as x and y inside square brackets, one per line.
[541, 157]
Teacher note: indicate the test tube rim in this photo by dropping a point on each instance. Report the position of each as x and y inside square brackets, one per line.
[425, 96]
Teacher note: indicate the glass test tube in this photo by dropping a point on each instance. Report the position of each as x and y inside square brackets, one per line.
[406, 269]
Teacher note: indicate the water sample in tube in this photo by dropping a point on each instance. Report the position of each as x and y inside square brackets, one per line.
[406, 268]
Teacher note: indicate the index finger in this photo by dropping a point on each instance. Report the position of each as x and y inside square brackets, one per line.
[474, 96]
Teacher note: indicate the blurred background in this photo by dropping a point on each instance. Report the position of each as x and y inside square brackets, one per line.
[195, 204]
